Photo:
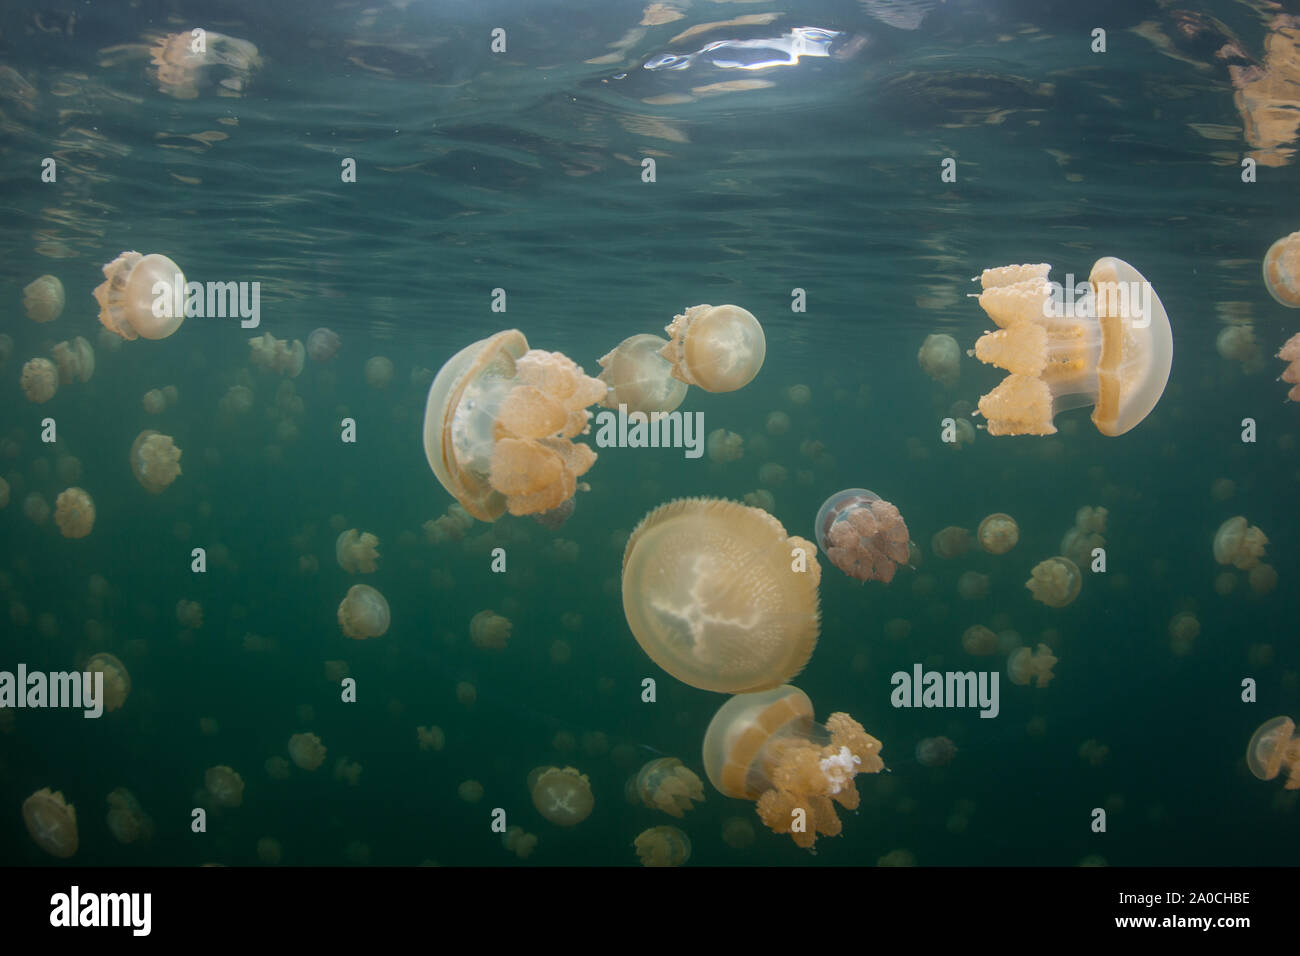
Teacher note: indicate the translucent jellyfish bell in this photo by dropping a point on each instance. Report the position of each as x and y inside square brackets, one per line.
[1272, 747]
[719, 348]
[128, 304]
[637, 375]
[52, 823]
[1282, 271]
[862, 534]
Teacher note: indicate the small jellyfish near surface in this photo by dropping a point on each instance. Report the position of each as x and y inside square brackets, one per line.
[43, 299]
[562, 796]
[718, 348]
[998, 533]
[1290, 353]
[940, 358]
[862, 534]
[1055, 582]
[718, 595]
[51, 822]
[155, 461]
[662, 846]
[665, 784]
[363, 613]
[322, 344]
[1272, 747]
[935, 751]
[637, 375]
[1282, 271]
[1239, 544]
[128, 304]
[767, 747]
[1112, 349]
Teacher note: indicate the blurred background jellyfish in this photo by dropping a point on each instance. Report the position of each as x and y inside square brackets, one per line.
[277, 355]
[499, 425]
[637, 375]
[224, 786]
[75, 361]
[767, 747]
[662, 846]
[117, 680]
[1290, 353]
[155, 461]
[862, 534]
[950, 542]
[719, 348]
[1239, 543]
[979, 641]
[363, 613]
[940, 358]
[562, 796]
[711, 594]
[998, 533]
[519, 842]
[379, 372]
[74, 512]
[489, 630]
[1055, 582]
[51, 822]
[665, 784]
[430, 738]
[1115, 356]
[39, 380]
[1025, 666]
[1272, 747]
[322, 344]
[935, 751]
[723, 446]
[1079, 542]
[470, 791]
[43, 299]
[36, 508]
[128, 305]
[127, 820]
[357, 552]
[1281, 271]
[306, 751]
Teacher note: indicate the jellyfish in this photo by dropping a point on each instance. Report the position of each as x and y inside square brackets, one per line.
[862, 534]
[798, 394]
[1262, 579]
[363, 613]
[224, 786]
[719, 596]
[74, 513]
[117, 680]
[357, 552]
[43, 299]
[972, 585]
[431, 738]
[773, 475]
[1055, 582]
[1114, 353]
[554, 519]
[379, 371]
[348, 771]
[39, 380]
[979, 641]
[737, 833]
[471, 791]
[662, 846]
[466, 693]
[1025, 666]
[36, 508]
[778, 423]
[1085, 537]
[154, 403]
[519, 842]
[935, 751]
[766, 747]
[719, 348]
[562, 796]
[127, 820]
[277, 355]
[1184, 629]
[52, 823]
[1237, 343]
[489, 630]
[951, 542]
[665, 784]
[1290, 352]
[723, 446]
[4, 493]
[128, 304]
[322, 344]
[75, 361]
[1281, 271]
[181, 67]
[940, 358]
[238, 400]
[499, 423]
[636, 374]
[998, 533]
[306, 750]
[1238, 543]
[1274, 745]
[155, 461]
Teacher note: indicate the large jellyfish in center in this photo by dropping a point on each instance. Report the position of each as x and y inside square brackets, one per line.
[862, 534]
[128, 303]
[638, 376]
[719, 348]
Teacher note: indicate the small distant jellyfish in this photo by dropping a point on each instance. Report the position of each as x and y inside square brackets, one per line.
[379, 372]
[1055, 582]
[519, 842]
[637, 375]
[1272, 747]
[466, 693]
[306, 751]
[998, 533]
[431, 738]
[117, 680]
[489, 630]
[1184, 629]
[562, 796]
[979, 641]
[723, 446]
[224, 786]
[43, 299]
[951, 542]
[51, 822]
[75, 361]
[554, 519]
[189, 614]
[718, 348]
[778, 423]
[1290, 353]
[357, 552]
[154, 402]
[348, 771]
[39, 380]
[128, 304]
[277, 768]
[773, 475]
[269, 851]
[737, 833]
[277, 355]
[322, 344]
[972, 585]
[863, 535]
[238, 400]
[940, 358]
[665, 784]
[471, 791]
[127, 820]
[74, 512]
[1262, 579]
[36, 508]
[4, 493]
[363, 613]
[935, 751]
[799, 394]
[1025, 666]
[1239, 544]
[155, 461]
[1282, 271]
[662, 846]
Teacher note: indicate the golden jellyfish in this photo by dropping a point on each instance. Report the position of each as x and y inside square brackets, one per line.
[127, 820]
[181, 65]
[154, 402]
[74, 512]
[357, 552]
[767, 747]
[1025, 666]
[979, 641]
[723, 446]
[662, 846]
[4, 493]
[951, 542]
[665, 784]
[1281, 271]
[562, 796]
[277, 768]
[637, 375]
[1055, 582]
[43, 299]
[1112, 349]
[155, 461]
[863, 535]
[778, 423]
[998, 533]
[1237, 343]
[348, 771]
[277, 355]
[306, 751]
[489, 630]
[466, 693]
[719, 596]
[499, 425]
[128, 304]
[224, 786]
[75, 361]
[322, 344]
[117, 680]
[431, 738]
[363, 613]
[940, 358]
[1238, 543]
[719, 348]
[1272, 747]
[379, 371]
[798, 394]
[39, 380]
[519, 842]
[52, 823]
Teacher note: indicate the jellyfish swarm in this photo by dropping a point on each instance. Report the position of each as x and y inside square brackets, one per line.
[52, 823]
[499, 423]
[128, 305]
[1114, 355]
[862, 534]
[562, 796]
[766, 747]
[665, 784]
[637, 375]
[719, 348]
[1281, 271]
[719, 596]
[662, 846]
[1290, 353]
[1273, 746]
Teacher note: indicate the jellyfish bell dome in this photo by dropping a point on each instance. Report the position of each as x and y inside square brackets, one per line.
[719, 348]
[1282, 271]
[363, 613]
[52, 823]
[562, 796]
[43, 299]
[1272, 747]
[1055, 582]
[638, 376]
[862, 535]
[130, 306]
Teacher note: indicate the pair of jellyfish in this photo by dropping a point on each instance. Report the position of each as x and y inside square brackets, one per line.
[1273, 747]
[718, 595]
[155, 461]
[1290, 353]
[1116, 357]
[519, 842]
[665, 784]
[128, 305]
[363, 613]
[357, 552]
[158, 400]
[561, 795]
[1055, 582]
[863, 535]
[1080, 541]
[766, 747]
